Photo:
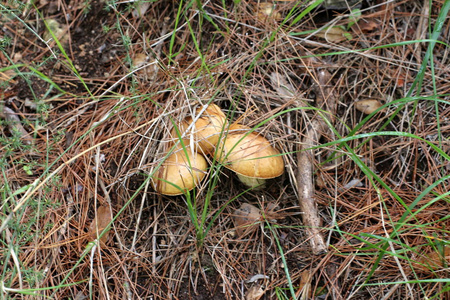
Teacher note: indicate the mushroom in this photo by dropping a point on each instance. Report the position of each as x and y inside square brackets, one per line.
[250, 155]
[207, 129]
[181, 172]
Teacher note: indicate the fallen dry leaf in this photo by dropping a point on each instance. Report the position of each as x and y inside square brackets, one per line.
[305, 285]
[335, 34]
[434, 260]
[141, 9]
[255, 292]
[8, 75]
[368, 106]
[60, 31]
[320, 182]
[147, 73]
[367, 25]
[100, 222]
[246, 219]
[14, 123]
[266, 11]
[139, 59]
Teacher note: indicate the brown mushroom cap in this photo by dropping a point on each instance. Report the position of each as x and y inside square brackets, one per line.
[207, 128]
[180, 172]
[249, 154]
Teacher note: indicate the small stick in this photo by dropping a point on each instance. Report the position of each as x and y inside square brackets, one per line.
[326, 99]
[305, 165]
[305, 186]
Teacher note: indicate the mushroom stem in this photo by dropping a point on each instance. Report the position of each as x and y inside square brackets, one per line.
[255, 183]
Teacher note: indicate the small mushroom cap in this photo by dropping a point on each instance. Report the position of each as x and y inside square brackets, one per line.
[180, 172]
[249, 154]
[207, 128]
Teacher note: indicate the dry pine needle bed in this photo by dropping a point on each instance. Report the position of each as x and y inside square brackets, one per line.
[224, 149]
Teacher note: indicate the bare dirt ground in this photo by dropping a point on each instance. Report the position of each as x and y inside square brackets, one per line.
[96, 98]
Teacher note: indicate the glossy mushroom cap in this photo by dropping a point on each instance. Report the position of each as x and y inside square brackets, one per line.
[207, 129]
[180, 172]
[249, 154]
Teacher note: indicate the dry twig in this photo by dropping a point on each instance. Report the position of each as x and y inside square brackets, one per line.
[305, 161]
[305, 186]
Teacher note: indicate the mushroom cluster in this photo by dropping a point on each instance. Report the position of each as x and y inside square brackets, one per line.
[247, 153]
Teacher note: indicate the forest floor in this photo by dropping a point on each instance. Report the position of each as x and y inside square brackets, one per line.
[356, 99]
